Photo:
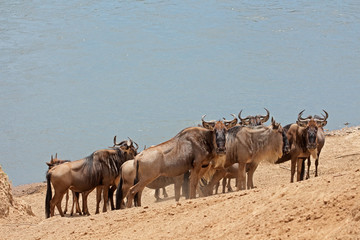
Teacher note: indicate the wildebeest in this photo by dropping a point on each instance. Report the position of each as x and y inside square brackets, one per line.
[248, 147]
[254, 145]
[161, 183]
[115, 182]
[191, 149]
[127, 178]
[231, 172]
[100, 168]
[254, 120]
[54, 162]
[306, 138]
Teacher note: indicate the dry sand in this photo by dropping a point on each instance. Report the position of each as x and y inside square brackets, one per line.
[326, 207]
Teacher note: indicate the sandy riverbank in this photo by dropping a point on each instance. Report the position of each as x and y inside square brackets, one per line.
[326, 207]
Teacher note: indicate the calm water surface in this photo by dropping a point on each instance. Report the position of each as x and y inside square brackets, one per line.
[74, 74]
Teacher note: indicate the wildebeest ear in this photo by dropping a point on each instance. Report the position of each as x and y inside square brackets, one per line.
[301, 124]
[49, 164]
[322, 124]
[274, 124]
[208, 125]
[230, 123]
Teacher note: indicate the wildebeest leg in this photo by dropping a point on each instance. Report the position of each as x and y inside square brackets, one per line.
[241, 177]
[317, 163]
[165, 193]
[178, 181]
[308, 168]
[302, 172]
[105, 196]
[138, 199]
[157, 194]
[99, 190]
[56, 201]
[194, 180]
[219, 174]
[299, 168]
[185, 185]
[217, 187]
[252, 167]
[85, 206]
[75, 202]
[123, 191]
[137, 188]
[229, 185]
[223, 185]
[111, 196]
[293, 166]
[66, 201]
[132, 191]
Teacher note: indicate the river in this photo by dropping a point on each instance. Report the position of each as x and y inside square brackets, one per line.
[76, 73]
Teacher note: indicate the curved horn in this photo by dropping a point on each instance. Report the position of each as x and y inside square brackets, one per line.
[132, 144]
[324, 117]
[302, 121]
[115, 143]
[129, 142]
[322, 121]
[202, 117]
[137, 146]
[208, 125]
[231, 123]
[299, 115]
[243, 120]
[266, 117]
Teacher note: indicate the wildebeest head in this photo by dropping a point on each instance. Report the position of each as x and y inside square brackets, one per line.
[311, 126]
[220, 129]
[127, 146]
[52, 161]
[321, 121]
[277, 127]
[55, 161]
[254, 120]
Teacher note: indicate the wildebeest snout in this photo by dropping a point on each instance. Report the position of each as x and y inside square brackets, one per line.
[311, 146]
[221, 150]
[286, 149]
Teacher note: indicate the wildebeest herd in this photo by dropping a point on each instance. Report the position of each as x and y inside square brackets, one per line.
[195, 160]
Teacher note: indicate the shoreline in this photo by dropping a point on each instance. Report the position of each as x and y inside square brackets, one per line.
[35, 187]
[323, 207]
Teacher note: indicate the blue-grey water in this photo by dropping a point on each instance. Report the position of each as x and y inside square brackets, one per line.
[76, 73]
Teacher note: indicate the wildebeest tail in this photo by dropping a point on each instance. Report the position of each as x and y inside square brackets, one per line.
[136, 180]
[119, 193]
[48, 196]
